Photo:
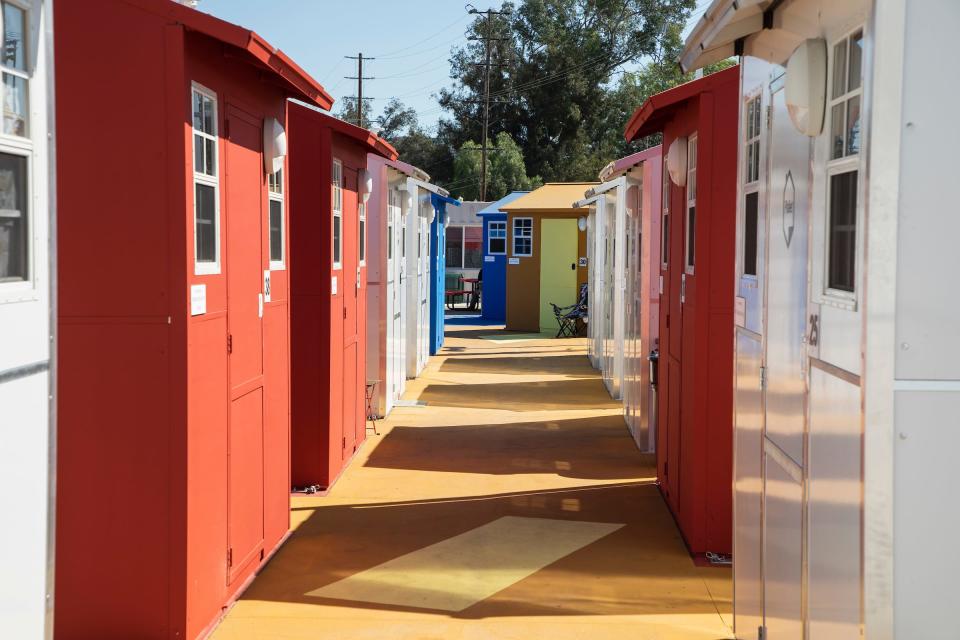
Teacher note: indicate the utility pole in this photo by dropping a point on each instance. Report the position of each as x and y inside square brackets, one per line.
[486, 64]
[359, 78]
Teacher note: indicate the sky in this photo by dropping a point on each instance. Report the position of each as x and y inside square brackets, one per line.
[410, 39]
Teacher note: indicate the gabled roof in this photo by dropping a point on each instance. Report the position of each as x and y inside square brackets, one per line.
[619, 167]
[652, 116]
[723, 24]
[409, 169]
[373, 142]
[553, 196]
[254, 47]
[495, 207]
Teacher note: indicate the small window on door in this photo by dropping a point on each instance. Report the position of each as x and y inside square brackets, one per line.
[751, 212]
[277, 244]
[362, 232]
[523, 236]
[691, 221]
[842, 232]
[497, 238]
[16, 73]
[665, 219]
[14, 220]
[337, 214]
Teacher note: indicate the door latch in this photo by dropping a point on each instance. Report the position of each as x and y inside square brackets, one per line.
[814, 329]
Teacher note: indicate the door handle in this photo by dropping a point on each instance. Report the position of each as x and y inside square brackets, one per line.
[573, 266]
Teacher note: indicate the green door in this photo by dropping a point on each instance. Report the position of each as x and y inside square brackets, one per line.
[558, 268]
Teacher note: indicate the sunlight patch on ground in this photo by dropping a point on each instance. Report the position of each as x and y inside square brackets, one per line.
[466, 569]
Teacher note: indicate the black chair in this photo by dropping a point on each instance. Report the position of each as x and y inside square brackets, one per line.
[566, 324]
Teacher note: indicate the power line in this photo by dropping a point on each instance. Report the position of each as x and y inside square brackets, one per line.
[392, 54]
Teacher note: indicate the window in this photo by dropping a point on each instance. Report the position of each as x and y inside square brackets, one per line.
[277, 245]
[393, 205]
[523, 236]
[497, 238]
[337, 214]
[464, 246]
[362, 232]
[751, 170]
[845, 97]
[13, 58]
[665, 219]
[843, 166]
[842, 232]
[454, 247]
[206, 183]
[691, 222]
[14, 229]
[751, 212]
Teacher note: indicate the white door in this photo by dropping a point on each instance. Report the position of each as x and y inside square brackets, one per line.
[398, 349]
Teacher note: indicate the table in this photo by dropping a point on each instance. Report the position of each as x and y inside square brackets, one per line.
[474, 292]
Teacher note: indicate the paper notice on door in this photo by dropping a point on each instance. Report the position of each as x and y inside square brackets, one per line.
[489, 259]
[740, 311]
[514, 260]
[198, 299]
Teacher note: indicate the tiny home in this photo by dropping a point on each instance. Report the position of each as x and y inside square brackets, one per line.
[547, 255]
[694, 391]
[847, 354]
[27, 427]
[624, 266]
[329, 185]
[173, 445]
[493, 303]
[464, 240]
[398, 317]
[440, 218]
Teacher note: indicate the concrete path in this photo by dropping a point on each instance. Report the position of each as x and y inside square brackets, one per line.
[513, 505]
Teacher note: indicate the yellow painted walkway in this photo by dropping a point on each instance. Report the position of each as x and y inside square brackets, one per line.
[513, 505]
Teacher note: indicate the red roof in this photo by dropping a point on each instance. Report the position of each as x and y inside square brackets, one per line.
[374, 143]
[658, 109]
[264, 54]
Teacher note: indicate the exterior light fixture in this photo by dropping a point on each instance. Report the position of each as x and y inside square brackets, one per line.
[805, 88]
[365, 180]
[582, 223]
[677, 161]
[274, 145]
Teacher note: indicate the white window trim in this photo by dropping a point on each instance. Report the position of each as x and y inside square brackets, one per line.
[490, 225]
[514, 236]
[665, 218]
[750, 187]
[25, 290]
[837, 297]
[206, 268]
[336, 184]
[27, 75]
[690, 258]
[361, 234]
[274, 196]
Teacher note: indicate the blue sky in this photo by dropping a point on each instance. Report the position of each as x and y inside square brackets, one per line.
[411, 40]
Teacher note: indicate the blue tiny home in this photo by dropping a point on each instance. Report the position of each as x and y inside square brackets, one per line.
[493, 302]
[438, 261]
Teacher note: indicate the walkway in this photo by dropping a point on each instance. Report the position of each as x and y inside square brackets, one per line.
[512, 505]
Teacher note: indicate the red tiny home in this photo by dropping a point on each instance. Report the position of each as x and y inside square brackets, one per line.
[173, 461]
[699, 122]
[328, 164]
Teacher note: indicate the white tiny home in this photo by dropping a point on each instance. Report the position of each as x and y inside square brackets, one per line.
[847, 351]
[623, 292]
[26, 300]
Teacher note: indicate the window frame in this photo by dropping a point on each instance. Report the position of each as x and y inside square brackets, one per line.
[665, 218]
[362, 234]
[213, 267]
[336, 219]
[751, 186]
[846, 163]
[490, 236]
[690, 235]
[26, 74]
[277, 195]
[514, 237]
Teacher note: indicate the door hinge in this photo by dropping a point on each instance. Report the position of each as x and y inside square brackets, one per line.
[769, 115]
[229, 343]
[344, 442]
[344, 313]
[762, 631]
[668, 321]
[229, 558]
[763, 377]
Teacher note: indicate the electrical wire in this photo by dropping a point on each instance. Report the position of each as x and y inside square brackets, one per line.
[392, 54]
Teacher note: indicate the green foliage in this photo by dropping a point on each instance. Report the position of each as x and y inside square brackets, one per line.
[506, 171]
[348, 111]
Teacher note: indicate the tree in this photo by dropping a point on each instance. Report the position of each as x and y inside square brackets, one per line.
[348, 111]
[550, 88]
[506, 171]
[397, 120]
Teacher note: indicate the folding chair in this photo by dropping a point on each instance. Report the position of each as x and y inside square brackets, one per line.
[566, 324]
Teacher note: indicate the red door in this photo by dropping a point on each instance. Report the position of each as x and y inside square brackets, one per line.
[351, 318]
[671, 347]
[243, 265]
